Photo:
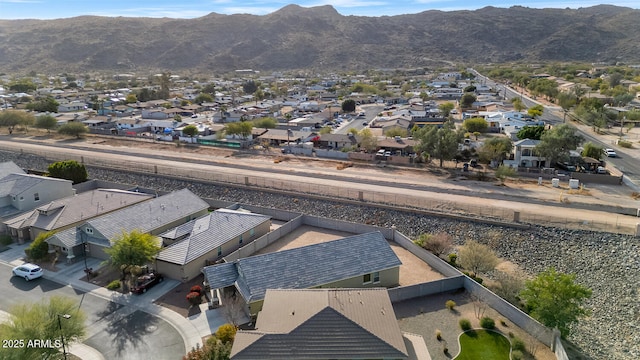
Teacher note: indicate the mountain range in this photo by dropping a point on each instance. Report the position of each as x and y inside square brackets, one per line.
[319, 38]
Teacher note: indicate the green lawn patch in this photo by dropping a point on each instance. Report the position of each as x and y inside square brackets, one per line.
[482, 344]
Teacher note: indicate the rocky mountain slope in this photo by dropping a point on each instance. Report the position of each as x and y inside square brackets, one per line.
[320, 38]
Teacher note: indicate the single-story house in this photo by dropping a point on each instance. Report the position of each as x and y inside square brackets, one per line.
[324, 324]
[191, 246]
[364, 260]
[69, 211]
[154, 216]
[338, 141]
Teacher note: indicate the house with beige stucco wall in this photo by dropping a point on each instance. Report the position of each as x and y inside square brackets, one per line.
[191, 246]
[359, 261]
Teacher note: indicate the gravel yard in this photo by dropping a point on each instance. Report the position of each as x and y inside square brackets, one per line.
[607, 263]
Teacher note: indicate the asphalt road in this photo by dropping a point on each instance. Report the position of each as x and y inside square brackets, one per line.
[370, 112]
[116, 331]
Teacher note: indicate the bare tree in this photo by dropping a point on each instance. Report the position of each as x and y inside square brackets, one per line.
[479, 306]
[233, 308]
[477, 257]
[509, 286]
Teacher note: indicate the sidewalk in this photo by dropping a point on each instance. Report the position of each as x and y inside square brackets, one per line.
[192, 329]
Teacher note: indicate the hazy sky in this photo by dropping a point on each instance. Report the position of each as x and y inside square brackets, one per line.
[53, 9]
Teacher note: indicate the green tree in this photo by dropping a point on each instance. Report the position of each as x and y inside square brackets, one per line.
[440, 143]
[367, 140]
[213, 349]
[556, 143]
[555, 299]
[131, 98]
[566, 102]
[396, 131]
[517, 104]
[12, 118]
[467, 100]
[349, 105]
[535, 111]
[73, 129]
[477, 257]
[47, 104]
[47, 122]
[475, 125]
[42, 320]
[242, 128]
[190, 130]
[23, 86]
[445, 108]
[69, 170]
[592, 150]
[265, 123]
[131, 249]
[249, 87]
[530, 132]
[226, 333]
[39, 248]
[203, 97]
[495, 149]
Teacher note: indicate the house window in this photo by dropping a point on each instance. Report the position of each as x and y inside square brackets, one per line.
[252, 232]
[219, 250]
[526, 152]
[240, 239]
[21, 198]
[89, 231]
[376, 277]
[366, 279]
[36, 197]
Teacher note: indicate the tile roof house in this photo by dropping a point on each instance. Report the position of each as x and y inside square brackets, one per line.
[364, 260]
[66, 212]
[20, 192]
[153, 216]
[206, 239]
[323, 324]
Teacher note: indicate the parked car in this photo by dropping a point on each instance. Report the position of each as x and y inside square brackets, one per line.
[28, 271]
[146, 282]
[610, 153]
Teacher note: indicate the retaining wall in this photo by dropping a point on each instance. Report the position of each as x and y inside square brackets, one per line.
[332, 154]
[435, 262]
[425, 289]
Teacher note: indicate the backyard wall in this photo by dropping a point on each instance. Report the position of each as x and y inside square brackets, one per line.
[425, 289]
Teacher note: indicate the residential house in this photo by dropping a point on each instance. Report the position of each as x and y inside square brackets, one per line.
[524, 155]
[397, 145]
[364, 260]
[338, 141]
[190, 246]
[154, 216]
[277, 137]
[327, 324]
[72, 106]
[63, 213]
[20, 192]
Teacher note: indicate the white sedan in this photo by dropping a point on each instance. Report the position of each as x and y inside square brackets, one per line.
[610, 153]
[28, 271]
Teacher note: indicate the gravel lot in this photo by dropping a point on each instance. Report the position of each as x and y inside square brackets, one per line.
[607, 263]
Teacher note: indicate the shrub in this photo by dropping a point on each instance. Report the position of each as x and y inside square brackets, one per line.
[487, 323]
[450, 304]
[511, 335]
[114, 285]
[518, 344]
[516, 355]
[39, 248]
[5, 240]
[445, 350]
[452, 259]
[194, 298]
[196, 288]
[438, 335]
[226, 333]
[438, 243]
[69, 170]
[503, 323]
[625, 144]
[464, 324]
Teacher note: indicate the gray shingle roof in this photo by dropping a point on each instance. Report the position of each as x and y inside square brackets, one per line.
[308, 266]
[9, 167]
[14, 184]
[73, 209]
[323, 324]
[208, 233]
[149, 215]
[144, 217]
